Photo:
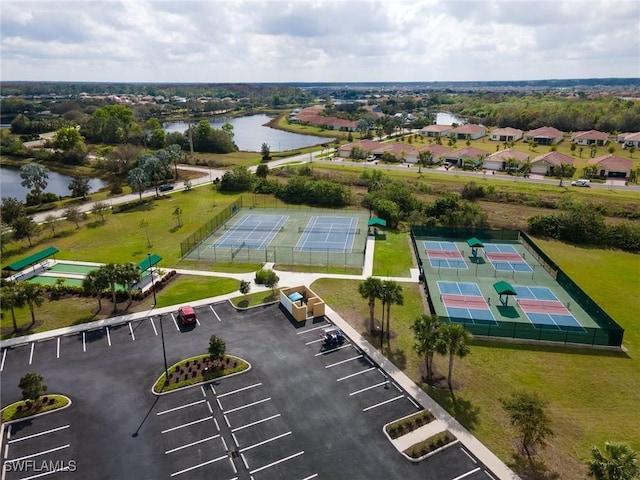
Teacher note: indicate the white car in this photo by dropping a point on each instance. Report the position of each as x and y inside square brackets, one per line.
[581, 183]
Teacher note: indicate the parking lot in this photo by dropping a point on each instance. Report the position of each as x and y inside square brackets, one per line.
[300, 412]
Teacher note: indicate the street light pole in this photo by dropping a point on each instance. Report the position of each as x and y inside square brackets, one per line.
[153, 287]
[164, 354]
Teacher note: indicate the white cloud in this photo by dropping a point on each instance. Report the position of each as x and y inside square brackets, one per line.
[317, 40]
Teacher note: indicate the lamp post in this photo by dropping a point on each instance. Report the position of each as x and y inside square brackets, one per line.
[153, 288]
[164, 354]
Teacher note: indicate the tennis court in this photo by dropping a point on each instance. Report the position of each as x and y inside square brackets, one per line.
[444, 255]
[464, 303]
[506, 258]
[251, 231]
[544, 310]
[328, 234]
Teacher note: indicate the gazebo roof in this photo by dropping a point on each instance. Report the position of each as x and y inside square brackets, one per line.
[474, 242]
[31, 259]
[504, 288]
[377, 221]
[295, 296]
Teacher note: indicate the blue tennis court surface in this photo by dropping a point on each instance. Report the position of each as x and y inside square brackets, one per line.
[499, 248]
[252, 231]
[328, 234]
[447, 263]
[459, 288]
[446, 246]
[474, 315]
[505, 266]
[534, 293]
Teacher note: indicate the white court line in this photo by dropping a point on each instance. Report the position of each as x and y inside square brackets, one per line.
[333, 350]
[214, 312]
[470, 472]
[248, 405]
[382, 403]
[239, 390]
[313, 341]
[133, 335]
[357, 373]
[344, 361]
[37, 454]
[255, 445]
[203, 464]
[58, 348]
[190, 444]
[154, 326]
[186, 424]
[255, 423]
[276, 462]
[108, 335]
[84, 341]
[312, 329]
[4, 356]
[186, 405]
[369, 388]
[174, 322]
[33, 345]
[38, 434]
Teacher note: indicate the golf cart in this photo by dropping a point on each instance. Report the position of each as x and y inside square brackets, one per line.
[332, 337]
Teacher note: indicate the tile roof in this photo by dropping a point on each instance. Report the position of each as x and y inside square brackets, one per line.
[545, 132]
[554, 158]
[590, 135]
[436, 128]
[612, 162]
[469, 128]
[506, 131]
[467, 152]
[509, 153]
[435, 149]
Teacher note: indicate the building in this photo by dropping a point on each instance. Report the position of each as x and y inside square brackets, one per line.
[365, 148]
[609, 166]
[507, 134]
[436, 130]
[629, 139]
[503, 159]
[467, 154]
[546, 164]
[469, 131]
[437, 151]
[544, 136]
[591, 137]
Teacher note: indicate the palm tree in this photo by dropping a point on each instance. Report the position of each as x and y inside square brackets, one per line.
[454, 342]
[371, 289]
[617, 462]
[12, 299]
[391, 294]
[427, 331]
[128, 273]
[94, 283]
[111, 274]
[32, 294]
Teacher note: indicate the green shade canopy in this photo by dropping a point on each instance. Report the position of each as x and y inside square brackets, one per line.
[504, 288]
[377, 221]
[295, 296]
[474, 243]
[31, 259]
[149, 261]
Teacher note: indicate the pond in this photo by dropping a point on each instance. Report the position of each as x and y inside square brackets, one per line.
[58, 183]
[445, 118]
[250, 133]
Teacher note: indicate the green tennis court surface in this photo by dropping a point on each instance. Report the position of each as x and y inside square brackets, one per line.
[71, 268]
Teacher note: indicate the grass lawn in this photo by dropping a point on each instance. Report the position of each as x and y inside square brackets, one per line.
[191, 371]
[254, 299]
[392, 257]
[186, 288]
[593, 394]
[18, 410]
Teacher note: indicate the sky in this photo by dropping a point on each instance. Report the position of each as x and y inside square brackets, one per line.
[318, 41]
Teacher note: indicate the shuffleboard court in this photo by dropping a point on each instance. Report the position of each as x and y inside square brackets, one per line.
[252, 231]
[328, 234]
[62, 267]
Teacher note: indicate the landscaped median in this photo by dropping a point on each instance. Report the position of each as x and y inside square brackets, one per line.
[199, 369]
[29, 408]
[418, 436]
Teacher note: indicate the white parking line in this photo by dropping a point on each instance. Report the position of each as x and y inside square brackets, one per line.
[108, 335]
[84, 341]
[239, 390]
[224, 444]
[174, 322]
[344, 361]
[33, 345]
[219, 405]
[204, 394]
[255, 445]
[310, 477]
[235, 440]
[382, 403]
[414, 403]
[4, 356]
[187, 424]
[217, 426]
[191, 444]
[63, 469]
[214, 312]
[369, 388]
[226, 420]
[276, 462]
[133, 335]
[154, 326]
[58, 348]
[469, 455]
[255, 423]
[470, 472]
[382, 373]
[37, 454]
[212, 389]
[233, 465]
[354, 374]
[203, 464]
[209, 407]
[333, 350]
[312, 329]
[313, 341]
[186, 405]
[397, 387]
[247, 405]
[38, 434]
[244, 460]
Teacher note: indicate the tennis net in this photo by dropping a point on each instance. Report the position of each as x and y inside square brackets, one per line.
[255, 228]
[329, 229]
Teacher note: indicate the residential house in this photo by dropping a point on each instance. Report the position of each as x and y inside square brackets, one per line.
[459, 156]
[365, 147]
[437, 151]
[399, 150]
[544, 136]
[469, 131]
[312, 116]
[630, 139]
[505, 159]
[610, 166]
[591, 137]
[507, 134]
[546, 164]
[436, 130]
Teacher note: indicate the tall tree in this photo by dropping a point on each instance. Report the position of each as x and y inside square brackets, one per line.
[453, 341]
[391, 294]
[371, 289]
[79, 186]
[217, 347]
[31, 294]
[138, 180]
[25, 227]
[156, 168]
[11, 209]
[111, 273]
[528, 414]
[12, 299]
[74, 215]
[128, 274]
[427, 330]
[66, 138]
[94, 283]
[617, 462]
[100, 209]
[34, 177]
[32, 386]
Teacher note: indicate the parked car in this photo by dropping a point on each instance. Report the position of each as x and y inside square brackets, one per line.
[332, 337]
[371, 158]
[581, 182]
[187, 315]
[166, 187]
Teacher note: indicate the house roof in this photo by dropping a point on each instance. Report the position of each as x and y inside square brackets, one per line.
[554, 158]
[469, 128]
[629, 137]
[506, 131]
[590, 135]
[507, 154]
[397, 148]
[545, 132]
[472, 152]
[437, 128]
[612, 162]
[435, 149]
[365, 145]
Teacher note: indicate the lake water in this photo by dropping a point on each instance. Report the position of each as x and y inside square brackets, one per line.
[445, 118]
[250, 133]
[57, 183]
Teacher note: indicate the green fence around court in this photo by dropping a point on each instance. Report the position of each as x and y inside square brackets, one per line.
[609, 332]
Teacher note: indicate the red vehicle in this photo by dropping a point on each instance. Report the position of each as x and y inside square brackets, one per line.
[187, 315]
